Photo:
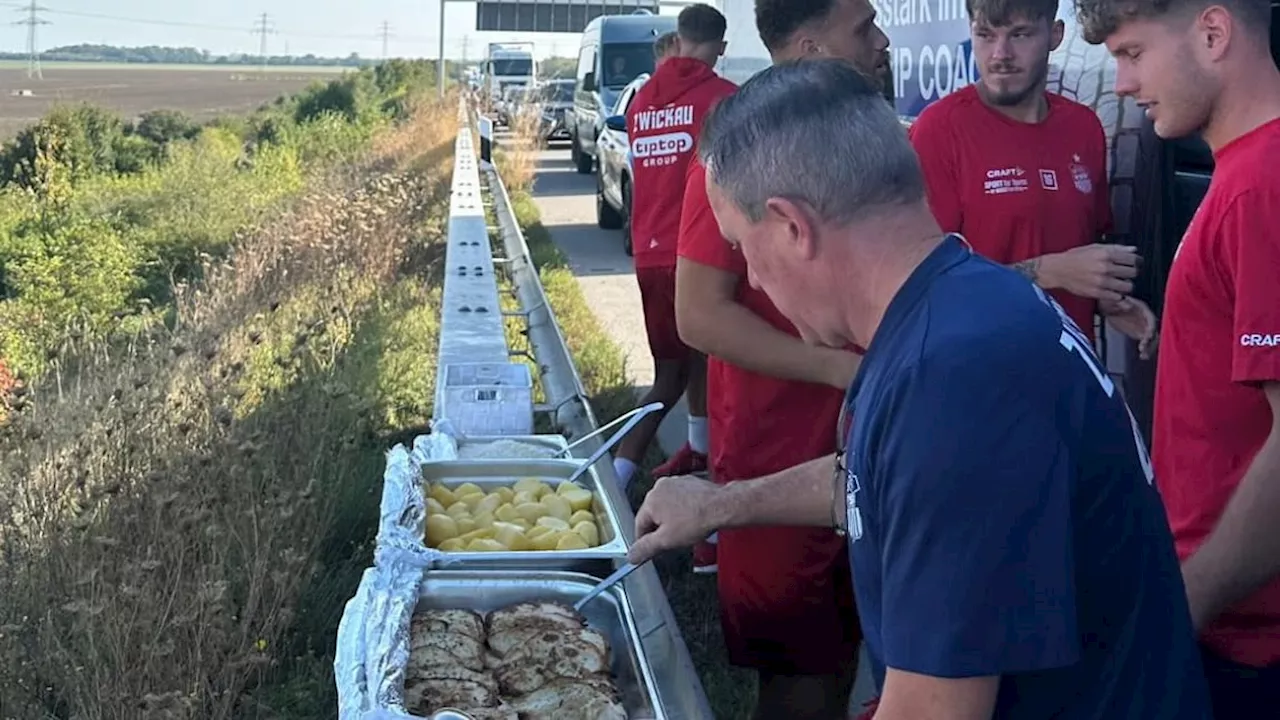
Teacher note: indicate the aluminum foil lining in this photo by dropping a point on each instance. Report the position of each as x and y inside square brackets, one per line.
[402, 518]
[373, 639]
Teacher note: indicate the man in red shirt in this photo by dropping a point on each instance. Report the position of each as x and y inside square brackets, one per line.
[786, 596]
[1207, 67]
[663, 123]
[1021, 173]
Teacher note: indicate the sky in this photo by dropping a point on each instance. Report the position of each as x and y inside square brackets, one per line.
[322, 27]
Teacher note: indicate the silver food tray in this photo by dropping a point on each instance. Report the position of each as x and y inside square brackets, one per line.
[491, 474]
[609, 613]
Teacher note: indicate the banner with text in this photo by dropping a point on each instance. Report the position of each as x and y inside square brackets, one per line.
[931, 53]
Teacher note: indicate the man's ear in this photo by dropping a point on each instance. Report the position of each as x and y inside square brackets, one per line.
[797, 222]
[1056, 31]
[723, 46]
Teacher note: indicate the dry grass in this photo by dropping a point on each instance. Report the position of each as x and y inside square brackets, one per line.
[602, 365]
[184, 517]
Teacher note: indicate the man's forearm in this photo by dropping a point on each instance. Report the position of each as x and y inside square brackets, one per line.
[1033, 270]
[729, 331]
[1243, 552]
[803, 495]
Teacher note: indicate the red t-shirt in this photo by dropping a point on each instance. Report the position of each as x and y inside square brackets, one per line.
[1221, 342]
[1017, 190]
[663, 122]
[758, 424]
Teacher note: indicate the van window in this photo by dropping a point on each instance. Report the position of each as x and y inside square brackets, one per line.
[624, 62]
[586, 64]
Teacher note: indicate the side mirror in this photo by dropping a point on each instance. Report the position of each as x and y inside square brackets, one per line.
[617, 123]
[589, 82]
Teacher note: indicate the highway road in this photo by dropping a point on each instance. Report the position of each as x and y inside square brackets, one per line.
[566, 201]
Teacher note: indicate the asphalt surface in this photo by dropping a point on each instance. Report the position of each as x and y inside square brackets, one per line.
[567, 202]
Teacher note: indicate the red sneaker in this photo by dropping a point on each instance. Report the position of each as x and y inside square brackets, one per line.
[684, 462]
[704, 558]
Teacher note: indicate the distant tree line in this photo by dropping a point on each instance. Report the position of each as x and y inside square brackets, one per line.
[181, 56]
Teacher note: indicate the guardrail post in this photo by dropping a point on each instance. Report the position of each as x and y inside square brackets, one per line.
[486, 142]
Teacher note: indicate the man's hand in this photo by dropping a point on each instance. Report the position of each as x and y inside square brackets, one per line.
[1132, 317]
[1100, 271]
[679, 511]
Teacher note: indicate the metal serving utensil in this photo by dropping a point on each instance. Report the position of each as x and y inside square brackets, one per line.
[613, 579]
[613, 440]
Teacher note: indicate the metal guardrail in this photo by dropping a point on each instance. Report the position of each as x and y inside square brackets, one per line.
[678, 685]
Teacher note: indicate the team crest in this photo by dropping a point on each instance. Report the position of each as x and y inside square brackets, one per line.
[1080, 175]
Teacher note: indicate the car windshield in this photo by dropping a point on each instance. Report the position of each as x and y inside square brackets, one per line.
[513, 66]
[557, 92]
[622, 62]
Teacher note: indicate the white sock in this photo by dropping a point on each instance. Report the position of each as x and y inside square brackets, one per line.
[624, 469]
[698, 438]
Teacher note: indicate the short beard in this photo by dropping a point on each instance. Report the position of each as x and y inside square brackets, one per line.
[1034, 88]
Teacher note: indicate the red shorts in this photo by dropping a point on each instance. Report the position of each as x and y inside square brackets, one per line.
[786, 600]
[658, 298]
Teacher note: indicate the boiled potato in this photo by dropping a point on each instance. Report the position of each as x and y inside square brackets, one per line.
[588, 532]
[440, 528]
[458, 508]
[511, 536]
[554, 523]
[582, 516]
[485, 545]
[490, 503]
[571, 541]
[556, 506]
[506, 512]
[565, 487]
[548, 540]
[505, 493]
[485, 520]
[467, 489]
[531, 511]
[579, 498]
[522, 523]
[530, 485]
[465, 524]
[477, 534]
[524, 497]
[442, 495]
[434, 507]
[452, 545]
[471, 500]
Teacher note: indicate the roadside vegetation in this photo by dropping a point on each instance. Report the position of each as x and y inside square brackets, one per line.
[209, 335]
[602, 366]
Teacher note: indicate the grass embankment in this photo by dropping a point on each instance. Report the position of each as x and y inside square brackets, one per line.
[602, 366]
[185, 514]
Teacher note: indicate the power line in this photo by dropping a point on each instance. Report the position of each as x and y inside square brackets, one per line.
[386, 36]
[32, 21]
[263, 28]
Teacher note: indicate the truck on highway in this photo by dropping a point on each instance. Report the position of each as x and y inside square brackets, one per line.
[507, 65]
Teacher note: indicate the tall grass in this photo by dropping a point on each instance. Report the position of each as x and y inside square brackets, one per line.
[184, 514]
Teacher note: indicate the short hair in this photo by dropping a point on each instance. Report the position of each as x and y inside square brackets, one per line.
[664, 44]
[778, 20]
[700, 24]
[1100, 18]
[1003, 12]
[816, 131]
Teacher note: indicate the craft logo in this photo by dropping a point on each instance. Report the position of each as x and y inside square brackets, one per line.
[1080, 174]
[1005, 180]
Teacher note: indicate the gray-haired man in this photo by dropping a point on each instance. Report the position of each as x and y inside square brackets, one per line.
[1011, 557]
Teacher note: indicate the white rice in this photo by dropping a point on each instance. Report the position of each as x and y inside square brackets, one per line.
[503, 449]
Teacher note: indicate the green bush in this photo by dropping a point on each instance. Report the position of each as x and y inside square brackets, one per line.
[100, 221]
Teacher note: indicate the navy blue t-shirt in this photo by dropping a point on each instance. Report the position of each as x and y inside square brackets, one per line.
[1003, 519]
